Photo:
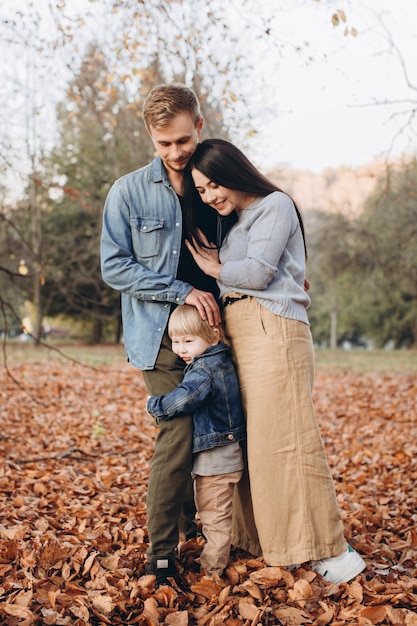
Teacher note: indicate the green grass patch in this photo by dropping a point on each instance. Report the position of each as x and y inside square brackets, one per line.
[362, 361]
[355, 361]
[15, 353]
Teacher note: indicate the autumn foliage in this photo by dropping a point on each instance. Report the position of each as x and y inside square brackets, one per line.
[76, 444]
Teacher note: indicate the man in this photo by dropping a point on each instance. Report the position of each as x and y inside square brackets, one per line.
[143, 256]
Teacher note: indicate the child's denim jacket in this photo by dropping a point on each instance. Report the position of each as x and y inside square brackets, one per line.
[209, 392]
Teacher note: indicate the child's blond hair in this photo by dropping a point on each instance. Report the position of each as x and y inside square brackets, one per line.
[186, 320]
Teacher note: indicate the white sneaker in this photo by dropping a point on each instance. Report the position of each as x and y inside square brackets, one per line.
[340, 569]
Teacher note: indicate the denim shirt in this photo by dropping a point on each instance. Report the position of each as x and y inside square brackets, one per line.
[140, 249]
[209, 391]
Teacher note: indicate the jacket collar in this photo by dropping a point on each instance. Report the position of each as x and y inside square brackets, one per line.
[212, 350]
[219, 347]
[157, 172]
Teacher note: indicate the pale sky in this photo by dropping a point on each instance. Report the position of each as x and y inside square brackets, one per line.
[331, 111]
[316, 97]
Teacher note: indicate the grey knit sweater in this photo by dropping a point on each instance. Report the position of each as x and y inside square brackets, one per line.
[263, 256]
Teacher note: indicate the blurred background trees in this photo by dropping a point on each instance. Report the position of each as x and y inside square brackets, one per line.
[78, 85]
[363, 270]
[95, 136]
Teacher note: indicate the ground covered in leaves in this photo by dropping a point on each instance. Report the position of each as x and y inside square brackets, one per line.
[76, 444]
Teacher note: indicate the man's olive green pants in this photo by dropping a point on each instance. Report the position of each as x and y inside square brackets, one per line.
[170, 500]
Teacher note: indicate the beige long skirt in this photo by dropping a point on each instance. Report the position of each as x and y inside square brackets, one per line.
[295, 513]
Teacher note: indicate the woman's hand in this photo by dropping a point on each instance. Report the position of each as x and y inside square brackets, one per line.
[206, 305]
[206, 256]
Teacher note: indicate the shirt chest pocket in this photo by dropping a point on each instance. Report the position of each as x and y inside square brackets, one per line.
[146, 236]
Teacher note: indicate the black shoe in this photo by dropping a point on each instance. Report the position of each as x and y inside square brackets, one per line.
[197, 534]
[163, 568]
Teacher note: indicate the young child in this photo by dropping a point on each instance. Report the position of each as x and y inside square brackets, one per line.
[209, 391]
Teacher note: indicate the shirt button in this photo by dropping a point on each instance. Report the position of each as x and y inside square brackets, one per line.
[174, 252]
[177, 224]
[144, 227]
[153, 298]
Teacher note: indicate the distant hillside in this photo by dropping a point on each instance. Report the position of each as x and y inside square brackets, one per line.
[342, 189]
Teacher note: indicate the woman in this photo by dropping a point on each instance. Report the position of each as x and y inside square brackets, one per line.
[260, 271]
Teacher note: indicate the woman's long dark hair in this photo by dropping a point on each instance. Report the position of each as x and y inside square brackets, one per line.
[224, 164]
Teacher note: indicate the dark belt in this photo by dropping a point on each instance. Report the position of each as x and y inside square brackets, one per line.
[229, 300]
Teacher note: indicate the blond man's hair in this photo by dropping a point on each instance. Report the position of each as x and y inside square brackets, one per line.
[164, 102]
[186, 320]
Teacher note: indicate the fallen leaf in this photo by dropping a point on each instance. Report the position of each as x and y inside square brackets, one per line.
[73, 526]
[268, 576]
[290, 616]
[104, 604]
[179, 618]
[248, 611]
[206, 588]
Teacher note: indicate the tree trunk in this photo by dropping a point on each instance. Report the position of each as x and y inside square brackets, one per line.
[36, 242]
[333, 321]
[119, 329]
[97, 333]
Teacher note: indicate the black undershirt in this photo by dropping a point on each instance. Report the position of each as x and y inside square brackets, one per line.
[188, 270]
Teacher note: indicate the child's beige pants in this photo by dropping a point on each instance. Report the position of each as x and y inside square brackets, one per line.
[213, 498]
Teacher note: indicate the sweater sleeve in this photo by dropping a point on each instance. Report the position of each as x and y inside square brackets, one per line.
[269, 228]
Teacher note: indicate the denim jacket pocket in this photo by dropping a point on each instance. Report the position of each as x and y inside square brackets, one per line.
[146, 235]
